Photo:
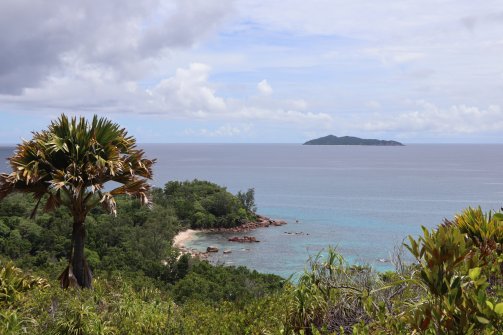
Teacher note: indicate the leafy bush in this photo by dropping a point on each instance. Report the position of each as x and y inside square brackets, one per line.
[115, 307]
[13, 283]
[201, 204]
[455, 262]
[214, 284]
[456, 287]
[330, 295]
[13, 286]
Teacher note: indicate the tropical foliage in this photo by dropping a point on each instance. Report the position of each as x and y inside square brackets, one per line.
[455, 287]
[114, 306]
[68, 164]
[201, 204]
[460, 267]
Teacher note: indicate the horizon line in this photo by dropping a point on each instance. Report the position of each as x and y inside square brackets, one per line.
[299, 143]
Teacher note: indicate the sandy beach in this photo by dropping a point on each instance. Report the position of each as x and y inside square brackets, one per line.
[183, 237]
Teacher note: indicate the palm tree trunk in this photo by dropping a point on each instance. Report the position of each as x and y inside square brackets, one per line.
[79, 264]
[77, 273]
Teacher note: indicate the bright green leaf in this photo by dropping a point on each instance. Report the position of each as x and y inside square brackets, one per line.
[490, 305]
[482, 320]
[474, 273]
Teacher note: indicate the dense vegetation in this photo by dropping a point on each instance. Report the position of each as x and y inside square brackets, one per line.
[201, 204]
[136, 241]
[70, 164]
[142, 286]
[131, 256]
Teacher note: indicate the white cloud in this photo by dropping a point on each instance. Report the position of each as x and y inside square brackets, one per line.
[298, 104]
[333, 63]
[123, 36]
[369, 20]
[264, 87]
[227, 130]
[427, 117]
[284, 116]
[188, 94]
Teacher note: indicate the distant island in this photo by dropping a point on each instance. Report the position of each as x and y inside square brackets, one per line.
[350, 140]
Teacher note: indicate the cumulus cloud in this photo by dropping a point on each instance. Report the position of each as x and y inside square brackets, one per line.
[264, 87]
[98, 56]
[417, 37]
[40, 36]
[427, 117]
[189, 93]
[355, 61]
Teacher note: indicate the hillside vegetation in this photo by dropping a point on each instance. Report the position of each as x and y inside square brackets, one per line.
[201, 204]
[143, 286]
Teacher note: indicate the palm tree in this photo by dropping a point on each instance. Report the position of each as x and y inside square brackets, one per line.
[68, 164]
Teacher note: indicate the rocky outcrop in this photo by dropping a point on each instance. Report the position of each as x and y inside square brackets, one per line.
[193, 253]
[295, 233]
[261, 222]
[243, 239]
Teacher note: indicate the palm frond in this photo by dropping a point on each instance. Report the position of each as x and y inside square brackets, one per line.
[108, 203]
[135, 188]
[77, 157]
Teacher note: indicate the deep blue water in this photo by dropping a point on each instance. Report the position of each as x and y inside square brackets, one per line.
[364, 200]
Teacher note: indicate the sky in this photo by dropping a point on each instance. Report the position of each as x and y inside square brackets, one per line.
[250, 71]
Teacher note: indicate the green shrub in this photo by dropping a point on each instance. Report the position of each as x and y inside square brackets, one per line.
[330, 296]
[214, 284]
[13, 283]
[201, 204]
[454, 265]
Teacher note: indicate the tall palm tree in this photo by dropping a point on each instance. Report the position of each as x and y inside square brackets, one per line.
[68, 165]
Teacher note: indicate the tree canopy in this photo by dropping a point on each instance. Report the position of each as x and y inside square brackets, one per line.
[69, 164]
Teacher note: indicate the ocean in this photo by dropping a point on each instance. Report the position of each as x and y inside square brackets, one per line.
[364, 200]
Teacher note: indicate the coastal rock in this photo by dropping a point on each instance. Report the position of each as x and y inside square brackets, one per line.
[260, 222]
[295, 233]
[244, 239]
[212, 249]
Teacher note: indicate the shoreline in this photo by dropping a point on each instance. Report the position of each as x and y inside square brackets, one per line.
[183, 237]
[260, 222]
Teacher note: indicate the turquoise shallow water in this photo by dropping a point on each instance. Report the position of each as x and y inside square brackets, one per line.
[364, 200]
